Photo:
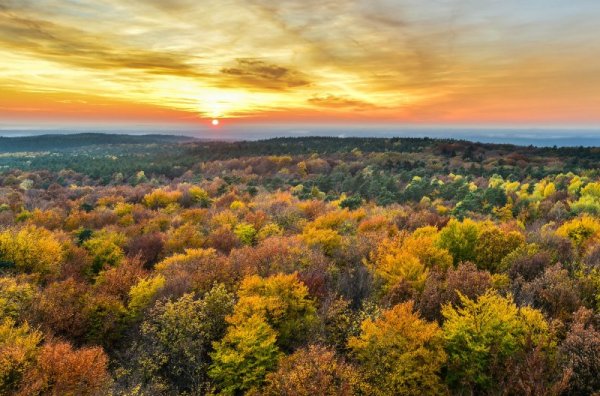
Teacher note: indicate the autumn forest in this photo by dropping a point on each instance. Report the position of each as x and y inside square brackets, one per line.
[165, 265]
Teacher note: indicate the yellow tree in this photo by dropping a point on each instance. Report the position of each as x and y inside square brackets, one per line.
[271, 313]
[143, 294]
[423, 244]
[16, 297]
[31, 250]
[282, 300]
[400, 353]
[329, 241]
[161, 198]
[18, 348]
[581, 231]
[393, 264]
[105, 248]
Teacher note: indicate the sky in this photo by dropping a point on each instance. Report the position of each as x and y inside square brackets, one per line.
[284, 62]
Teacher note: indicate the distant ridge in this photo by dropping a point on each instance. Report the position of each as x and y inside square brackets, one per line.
[58, 142]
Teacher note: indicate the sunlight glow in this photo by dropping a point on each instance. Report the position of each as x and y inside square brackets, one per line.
[278, 63]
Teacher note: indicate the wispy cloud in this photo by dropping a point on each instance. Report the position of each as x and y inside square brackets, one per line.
[73, 46]
[256, 73]
[340, 102]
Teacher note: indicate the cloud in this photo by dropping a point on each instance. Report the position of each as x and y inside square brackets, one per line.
[340, 102]
[73, 46]
[256, 73]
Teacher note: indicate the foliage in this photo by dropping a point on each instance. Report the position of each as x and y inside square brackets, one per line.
[464, 280]
[244, 356]
[554, 292]
[143, 293]
[493, 245]
[282, 300]
[246, 233]
[288, 266]
[15, 297]
[177, 336]
[200, 196]
[580, 354]
[581, 231]
[400, 353]
[63, 309]
[482, 335]
[326, 239]
[61, 370]
[311, 371]
[105, 248]
[31, 250]
[196, 269]
[160, 198]
[408, 259]
[396, 266]
[351, 203]
[460, 238]
[18, 348]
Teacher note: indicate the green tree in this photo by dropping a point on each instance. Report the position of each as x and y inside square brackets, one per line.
[246, 233]
[493, 245]
[15, 297]
[481, 337]
[177, 336]
[200, 196]
[494, 197]
[460, 239]
[354, 202]
[105, 248]
[245, 355]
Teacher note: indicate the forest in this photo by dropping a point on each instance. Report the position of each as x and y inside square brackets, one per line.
[308, 266]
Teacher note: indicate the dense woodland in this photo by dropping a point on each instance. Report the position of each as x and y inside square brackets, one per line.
[308, 266]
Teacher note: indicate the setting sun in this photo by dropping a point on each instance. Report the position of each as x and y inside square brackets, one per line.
[215, 122]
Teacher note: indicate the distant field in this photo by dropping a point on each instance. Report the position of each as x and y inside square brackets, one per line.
[70, 141]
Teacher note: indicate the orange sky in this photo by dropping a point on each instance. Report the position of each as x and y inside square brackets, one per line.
[318, 61]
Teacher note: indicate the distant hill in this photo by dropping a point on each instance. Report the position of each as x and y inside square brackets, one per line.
[59, 142]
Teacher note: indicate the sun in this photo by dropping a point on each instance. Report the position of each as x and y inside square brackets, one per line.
[215, 122]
